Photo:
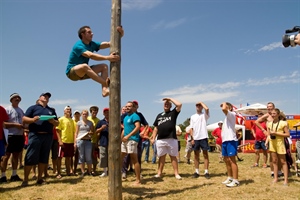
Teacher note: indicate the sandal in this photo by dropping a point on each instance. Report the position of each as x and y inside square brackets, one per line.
[58, 176]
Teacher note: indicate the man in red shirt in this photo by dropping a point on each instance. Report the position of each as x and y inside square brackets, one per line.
[217, 135]
[260, 139]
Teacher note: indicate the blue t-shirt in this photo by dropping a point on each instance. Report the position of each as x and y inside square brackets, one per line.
[40, 125]
[129, 125]
[103, 139]
[79, 48]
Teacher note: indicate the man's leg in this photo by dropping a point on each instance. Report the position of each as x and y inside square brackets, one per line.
[175, 165]
[161, 164]
[93, 72]
[68, 165]
[233, 167]
[196, 162]
[41, 169]
[137, 168]
[5, 159]
[147, 150]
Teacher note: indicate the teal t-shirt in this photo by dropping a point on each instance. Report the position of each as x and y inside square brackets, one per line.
[79, 48]
[129, 125]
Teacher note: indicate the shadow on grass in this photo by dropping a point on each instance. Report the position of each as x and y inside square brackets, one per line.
[150, 193]
[246, 182]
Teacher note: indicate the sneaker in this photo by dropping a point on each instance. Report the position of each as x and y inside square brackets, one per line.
[233, 184]
[24, 184]
[3, 179]
[188, 161]
[265, 166]
[82, 175]
[15, 178]
[207, 176]
[297, 161]
[178, 177]
[255, 165]
[196, 175]
[124, 176]
[157, 176]
[103, 175]
[41, 182]
[227, 181]
[272, 175]
[240, 159]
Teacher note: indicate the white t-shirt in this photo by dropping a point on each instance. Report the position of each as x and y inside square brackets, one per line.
[15, 116]
[178, 131]
[228, 128]
[198, 124]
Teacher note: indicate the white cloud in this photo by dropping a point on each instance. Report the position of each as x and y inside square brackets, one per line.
[63, 102]
[271, 46]
[221, 91]
[168, 25]
[140, 4]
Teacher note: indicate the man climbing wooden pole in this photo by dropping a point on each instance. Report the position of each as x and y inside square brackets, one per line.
[114, 147]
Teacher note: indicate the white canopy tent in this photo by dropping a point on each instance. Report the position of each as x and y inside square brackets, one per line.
[252, 109]
[213, 126]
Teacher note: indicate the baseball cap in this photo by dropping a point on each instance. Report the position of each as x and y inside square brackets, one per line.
[135, 102]
[220, 122]
[46, 93]
[67, 107]
[105, 109]
[76, 111]
[13, 95]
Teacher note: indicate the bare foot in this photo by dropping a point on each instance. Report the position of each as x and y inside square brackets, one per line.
[105, 92]
[136, 183]
[107, 81]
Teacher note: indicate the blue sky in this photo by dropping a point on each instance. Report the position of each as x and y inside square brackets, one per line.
[191, 50]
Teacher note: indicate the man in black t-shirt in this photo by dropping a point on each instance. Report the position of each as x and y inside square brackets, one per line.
[165, 130]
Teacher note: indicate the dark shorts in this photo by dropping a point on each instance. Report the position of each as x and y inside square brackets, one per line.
[2, 148]
[74, 77]
[38, 149]
[15, 143]
[229, 148]
[67, 150]
[179, 147]
[54, 149]
[260, 145]
[201, 144]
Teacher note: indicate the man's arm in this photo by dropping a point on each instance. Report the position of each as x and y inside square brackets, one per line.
[260, 120]
[153, 136]
[175, 102]
[13, 125]
[224, 108]
[134, 131]
[29, 120]
[94, 56]
[204, 107]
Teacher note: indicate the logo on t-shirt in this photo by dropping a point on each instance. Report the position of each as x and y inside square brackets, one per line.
[162, 120]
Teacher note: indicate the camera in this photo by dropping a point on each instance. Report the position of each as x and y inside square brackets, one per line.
[273, 137]
[289, 40]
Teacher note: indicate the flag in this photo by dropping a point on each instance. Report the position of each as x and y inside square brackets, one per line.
[239, 118]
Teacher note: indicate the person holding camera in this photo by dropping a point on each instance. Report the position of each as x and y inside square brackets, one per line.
[278, 130]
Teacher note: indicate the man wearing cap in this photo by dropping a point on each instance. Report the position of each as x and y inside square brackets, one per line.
[217, 135]
[15, 137]
[165, 130]
[39, 137]
[93, 118]
[3, 118]
[200, 137]
[102, 133]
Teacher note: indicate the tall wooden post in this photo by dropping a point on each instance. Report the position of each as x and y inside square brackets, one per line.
[114, 148]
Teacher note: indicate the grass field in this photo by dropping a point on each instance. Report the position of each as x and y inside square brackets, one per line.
[255, 183]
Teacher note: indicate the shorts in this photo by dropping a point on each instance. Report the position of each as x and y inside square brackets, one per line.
[167, 146]
[201, 144]
[277, 146]
[74, 77]
[129, 147]
[103, 157]
[179, 145]
[2, 148]
[38, 150]
[229, 148]
[54, 150]
[260, 145]
[188, 147]
[15, 143]
[67, 150]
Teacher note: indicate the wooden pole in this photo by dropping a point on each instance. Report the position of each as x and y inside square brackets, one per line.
[114, 147]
